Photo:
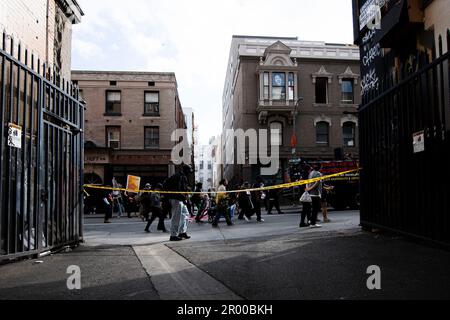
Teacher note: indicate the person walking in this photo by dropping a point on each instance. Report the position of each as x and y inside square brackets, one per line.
[156, 210]
[180, 214]
[245, 203]
[306, 199]
[274, 200]
[196, 198]
[130, 203]
[118, 201]
[109, 203]
[324, 201]
[258, 198]
[315, 190]
[222, 201]
[145, 201]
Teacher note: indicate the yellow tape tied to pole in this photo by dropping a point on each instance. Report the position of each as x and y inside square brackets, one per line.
[280, 186]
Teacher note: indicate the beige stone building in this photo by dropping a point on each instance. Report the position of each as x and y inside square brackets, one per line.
[265, 80]
[44, 27]
[130, 118]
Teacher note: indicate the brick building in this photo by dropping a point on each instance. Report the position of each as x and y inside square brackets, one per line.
[267, 76]
[44, 27]
[130, 118]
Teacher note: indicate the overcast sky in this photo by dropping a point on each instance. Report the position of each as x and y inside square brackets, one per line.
[192, 38]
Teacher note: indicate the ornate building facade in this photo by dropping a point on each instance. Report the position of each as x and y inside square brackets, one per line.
[310, 90]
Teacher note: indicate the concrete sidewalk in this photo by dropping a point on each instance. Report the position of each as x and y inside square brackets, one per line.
[107, 273]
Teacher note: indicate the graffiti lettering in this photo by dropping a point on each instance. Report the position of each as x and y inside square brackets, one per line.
[371, 55]
[369, 82]
[369, 35]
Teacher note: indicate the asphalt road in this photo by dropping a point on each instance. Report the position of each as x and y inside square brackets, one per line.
[322, 266]
[126, 231]
[270, 260]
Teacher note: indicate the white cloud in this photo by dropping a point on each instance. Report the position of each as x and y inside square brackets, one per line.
[192, 39]
[87, 49]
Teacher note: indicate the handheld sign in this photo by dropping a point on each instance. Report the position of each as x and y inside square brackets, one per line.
[133, 183]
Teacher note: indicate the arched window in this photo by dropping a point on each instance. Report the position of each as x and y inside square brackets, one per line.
[348, 134]
[276, 133]
[323, 133]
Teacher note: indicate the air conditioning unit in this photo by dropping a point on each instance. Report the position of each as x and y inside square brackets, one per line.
[114, 144]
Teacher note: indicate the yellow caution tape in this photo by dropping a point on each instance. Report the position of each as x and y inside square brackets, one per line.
[280, 186]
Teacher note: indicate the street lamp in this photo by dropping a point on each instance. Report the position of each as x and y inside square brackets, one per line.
[294, 133]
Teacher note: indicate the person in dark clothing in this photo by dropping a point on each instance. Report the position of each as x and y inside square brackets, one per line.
[108, 201]
[180, 214]
[274, 200]
[306, 206]
[197, 201]
[315, 190]
[245, 203]
[196, 198]
[145, 200]
[156, 210]
[166, 209]
[258, 198]
[223, 204]
[130, 203]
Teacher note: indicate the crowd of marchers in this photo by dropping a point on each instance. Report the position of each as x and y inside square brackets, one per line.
[242, 202]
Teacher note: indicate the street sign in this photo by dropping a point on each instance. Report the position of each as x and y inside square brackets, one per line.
[15, 136]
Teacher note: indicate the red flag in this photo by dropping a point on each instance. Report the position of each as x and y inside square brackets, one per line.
[293, 141]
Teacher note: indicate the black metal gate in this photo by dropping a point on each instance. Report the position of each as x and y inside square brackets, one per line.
[41, 150]
[401, 190]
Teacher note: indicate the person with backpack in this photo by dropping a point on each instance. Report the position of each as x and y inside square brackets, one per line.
[156, 210]
[180, 214]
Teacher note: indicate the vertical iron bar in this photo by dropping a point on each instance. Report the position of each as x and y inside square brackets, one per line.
[81, 107]
[8, 156]
[24, 182]
[41, 229]
[31, 176]
[3, 145]
[18, 189]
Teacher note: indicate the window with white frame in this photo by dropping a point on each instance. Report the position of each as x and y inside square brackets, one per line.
[113, 137]
[151, 107]
[113, 103]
